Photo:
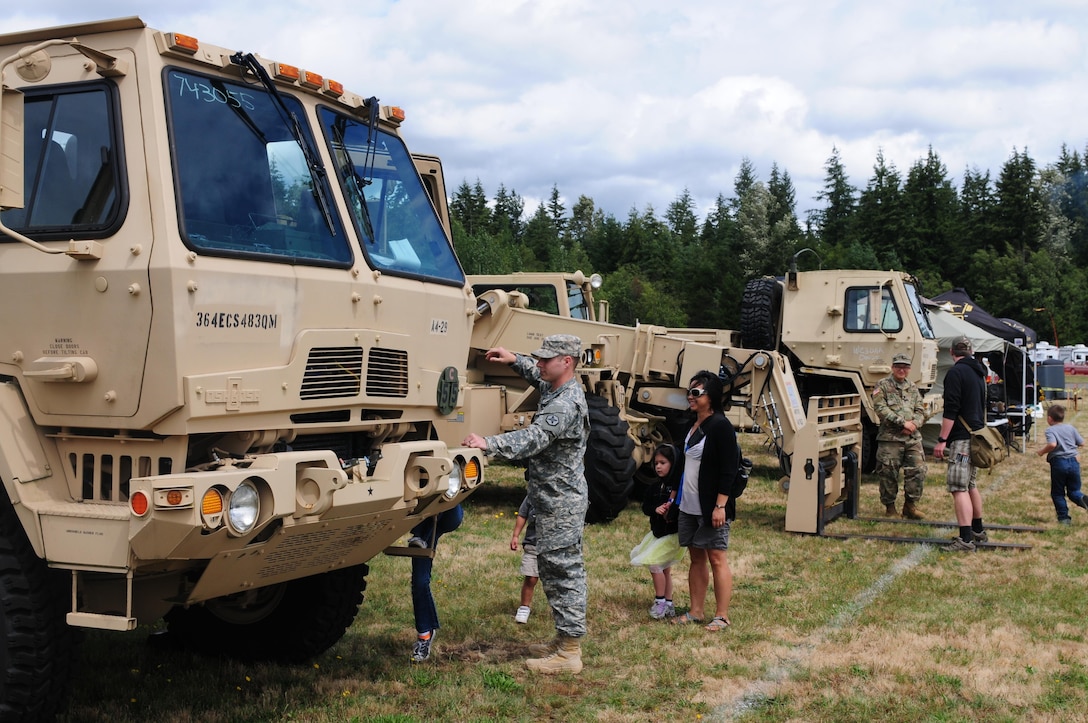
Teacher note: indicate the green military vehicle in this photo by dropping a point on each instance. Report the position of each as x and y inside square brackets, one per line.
[231, 319]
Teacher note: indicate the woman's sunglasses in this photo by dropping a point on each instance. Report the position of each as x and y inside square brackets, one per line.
[696, 393]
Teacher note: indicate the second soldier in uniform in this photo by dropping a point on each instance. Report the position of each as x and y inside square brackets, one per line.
[898, 403]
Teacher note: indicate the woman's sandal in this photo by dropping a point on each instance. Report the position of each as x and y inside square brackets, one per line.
[686, 619]
[717, 624]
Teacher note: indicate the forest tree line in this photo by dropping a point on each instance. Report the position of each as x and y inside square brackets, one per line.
[1018, 244]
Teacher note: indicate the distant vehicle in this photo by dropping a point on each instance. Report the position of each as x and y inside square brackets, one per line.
[1071, 368]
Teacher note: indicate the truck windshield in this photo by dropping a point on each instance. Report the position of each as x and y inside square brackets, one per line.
[920, 311]
[396, 222]
[243, 183]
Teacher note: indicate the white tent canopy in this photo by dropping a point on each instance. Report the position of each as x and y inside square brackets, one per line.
[947, 327]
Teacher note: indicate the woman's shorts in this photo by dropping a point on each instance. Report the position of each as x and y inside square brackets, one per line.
[696, 532]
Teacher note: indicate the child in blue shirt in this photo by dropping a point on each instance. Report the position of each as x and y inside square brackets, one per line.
[1062, 452]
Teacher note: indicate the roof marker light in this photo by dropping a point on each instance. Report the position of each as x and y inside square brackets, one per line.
[186, 43]
[283, 71]
[312, 80]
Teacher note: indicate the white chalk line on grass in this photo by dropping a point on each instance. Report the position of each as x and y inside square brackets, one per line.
[759, 691]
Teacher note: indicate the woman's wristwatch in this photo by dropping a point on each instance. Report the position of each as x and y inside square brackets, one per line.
[942, 440]
[719, 507]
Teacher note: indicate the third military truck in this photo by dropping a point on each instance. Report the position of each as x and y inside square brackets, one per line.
[807, 335]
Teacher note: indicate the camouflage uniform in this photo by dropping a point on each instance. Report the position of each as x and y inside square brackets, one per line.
[554, 446]
[897, 403]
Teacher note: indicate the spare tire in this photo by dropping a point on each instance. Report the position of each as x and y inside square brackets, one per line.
[610, 461]
[759, 314]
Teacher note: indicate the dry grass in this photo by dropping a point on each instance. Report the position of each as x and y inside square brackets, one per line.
[823, 629]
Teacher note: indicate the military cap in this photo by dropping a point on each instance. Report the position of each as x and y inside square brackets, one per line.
[559, 345]
[901, 359]
[962, 346]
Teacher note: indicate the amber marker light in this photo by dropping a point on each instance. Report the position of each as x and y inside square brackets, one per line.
[212, 503]
[396, 113]
[187, 43]
[174, 498]
[472, 472]
[311, 80]
[139, 503]
[283, 71]
[333, 88]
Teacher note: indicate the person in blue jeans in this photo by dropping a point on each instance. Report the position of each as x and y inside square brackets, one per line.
[426, 534]
[1062, 452]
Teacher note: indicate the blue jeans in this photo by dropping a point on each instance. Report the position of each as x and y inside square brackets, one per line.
[1064, 481]
[430, 529]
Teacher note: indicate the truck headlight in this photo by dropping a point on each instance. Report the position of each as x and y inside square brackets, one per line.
[244, 508]
[455, 479]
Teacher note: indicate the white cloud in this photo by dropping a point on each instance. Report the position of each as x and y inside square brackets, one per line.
[632, 102]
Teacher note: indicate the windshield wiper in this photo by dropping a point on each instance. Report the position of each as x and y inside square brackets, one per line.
[352, 175]
[317, 170]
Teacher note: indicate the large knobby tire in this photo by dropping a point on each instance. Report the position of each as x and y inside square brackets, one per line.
[286, 623]
[36, 654]
[610, 461]
[759, 314]
[868, 446]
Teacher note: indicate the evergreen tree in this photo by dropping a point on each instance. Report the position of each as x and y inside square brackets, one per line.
[1018, 213]
[833, 223]
[880, 221]
[932, 209]
[469, 207]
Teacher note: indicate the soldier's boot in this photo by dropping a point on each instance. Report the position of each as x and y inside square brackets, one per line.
[910, 512]
[567, 658]
[890, 510]
[543, 650]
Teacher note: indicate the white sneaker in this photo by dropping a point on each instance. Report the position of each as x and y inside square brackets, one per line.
[522, 615]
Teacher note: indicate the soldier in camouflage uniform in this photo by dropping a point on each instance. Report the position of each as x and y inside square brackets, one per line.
[898, 403]
[554, 447]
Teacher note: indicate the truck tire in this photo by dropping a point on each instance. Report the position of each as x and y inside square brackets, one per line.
[610, 462]
[38, 646]
[759, 314]
[287, 623]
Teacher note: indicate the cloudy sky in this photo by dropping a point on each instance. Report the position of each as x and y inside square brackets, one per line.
[630, 102]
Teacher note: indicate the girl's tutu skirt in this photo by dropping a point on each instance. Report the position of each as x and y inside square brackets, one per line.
[662, 551]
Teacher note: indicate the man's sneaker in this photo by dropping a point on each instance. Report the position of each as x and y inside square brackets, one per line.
[522, 615]
[417, 542]
[1064, 521]
[659, 609]
[422, 649]
[1082, 502]
[980, 536]
[959, 545]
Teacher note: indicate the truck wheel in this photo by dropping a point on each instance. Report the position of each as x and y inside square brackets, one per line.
[868, 446]
[759, 314]
[38, 646]
[286, 623]
[610, 462]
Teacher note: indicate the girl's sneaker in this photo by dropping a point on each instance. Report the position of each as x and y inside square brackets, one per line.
[522, 615]
[660, 609]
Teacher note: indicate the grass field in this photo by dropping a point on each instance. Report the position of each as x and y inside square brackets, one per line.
[823, 629]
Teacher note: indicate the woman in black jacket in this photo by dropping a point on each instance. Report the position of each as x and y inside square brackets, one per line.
[711, 459]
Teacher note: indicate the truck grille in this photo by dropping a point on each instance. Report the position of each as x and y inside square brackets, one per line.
[333, 372]
[387, 373]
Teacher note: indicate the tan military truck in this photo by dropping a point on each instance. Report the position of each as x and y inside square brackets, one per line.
[634, 377]
[840, 329]
[231, 318]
